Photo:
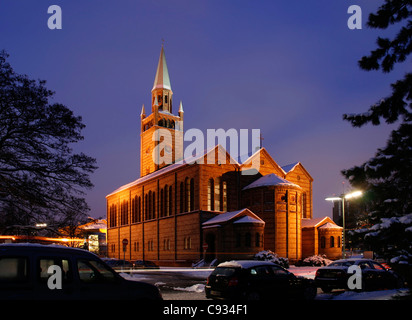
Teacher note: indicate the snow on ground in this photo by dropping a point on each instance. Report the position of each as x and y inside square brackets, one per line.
[199, 287]
[367, 295]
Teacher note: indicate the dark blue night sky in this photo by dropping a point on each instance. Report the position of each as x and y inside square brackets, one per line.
[288, 68]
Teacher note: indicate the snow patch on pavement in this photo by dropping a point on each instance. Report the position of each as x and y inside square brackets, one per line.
[365, 295]
[195, 288]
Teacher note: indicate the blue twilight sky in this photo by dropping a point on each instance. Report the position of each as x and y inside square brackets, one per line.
[288, 68]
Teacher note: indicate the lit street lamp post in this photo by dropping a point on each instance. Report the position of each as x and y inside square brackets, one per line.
[342, 198]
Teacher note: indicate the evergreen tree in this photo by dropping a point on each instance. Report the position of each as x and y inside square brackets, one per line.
[387, 176]
[41, 178]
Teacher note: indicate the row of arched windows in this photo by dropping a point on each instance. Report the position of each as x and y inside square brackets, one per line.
[145, 208]
[167, 123]
[216, 195]
[136, 209]
[150, 245]
[187, 195]
[112, 215]
[332, 243]
[166, 201]
[248, 240]
[150, 205]
[124, 214]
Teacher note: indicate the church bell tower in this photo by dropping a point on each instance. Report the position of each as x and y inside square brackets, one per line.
[161, 137]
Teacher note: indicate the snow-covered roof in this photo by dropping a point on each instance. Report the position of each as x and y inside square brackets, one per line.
[174, 166]
[168, 113]
[227, 216]
[149, 176]
[329, 225]
[309, 223]
[318, 222]
[249, 219]
[223, 217]
[270, 180]
[265, 153]
[290, 167]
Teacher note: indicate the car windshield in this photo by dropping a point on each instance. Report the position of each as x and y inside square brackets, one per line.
[94, 271]
[341, 264]
[223, 271]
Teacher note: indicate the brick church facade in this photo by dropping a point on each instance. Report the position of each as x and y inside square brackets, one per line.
[182, 212]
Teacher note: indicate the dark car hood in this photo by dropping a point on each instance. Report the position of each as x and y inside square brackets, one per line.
[142, 289]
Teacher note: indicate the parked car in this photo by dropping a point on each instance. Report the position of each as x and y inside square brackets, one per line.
[144, 264]
[256, 280]
[118, 264]
[25, 274]
[374, 275]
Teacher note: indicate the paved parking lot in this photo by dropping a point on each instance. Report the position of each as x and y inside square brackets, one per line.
[188, 284]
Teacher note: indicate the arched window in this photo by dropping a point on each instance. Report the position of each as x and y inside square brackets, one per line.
[257, 239]
[217, 194]
[161, 204]
[139, 211]
[192, 195]
[224, 196]
[339, 241]
[210, 195]
[134, 209]
[154, 205]
[124, 214]
[322, 242]
[111, 224]
[182, 191]
[113, 216]
[187, 194]
[238, 240]
[166, 201]
[187, 243]
[146, 207]
[170, 201]
[332, 241]
[166, 244]
[149, 204]
[304, 214]
[248, 240]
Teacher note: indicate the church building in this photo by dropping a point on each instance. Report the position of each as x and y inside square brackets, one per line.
[179, 212]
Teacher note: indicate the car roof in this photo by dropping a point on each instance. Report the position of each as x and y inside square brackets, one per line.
[352, 259]
[244, 264]
[37, 247]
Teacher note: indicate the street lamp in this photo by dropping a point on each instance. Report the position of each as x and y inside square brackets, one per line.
[354, 194]
[41, 225]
